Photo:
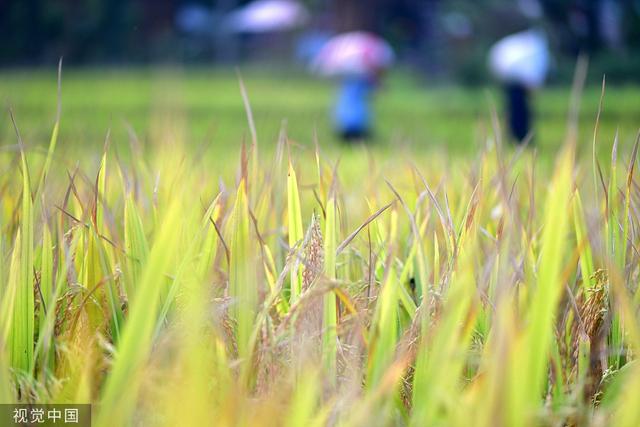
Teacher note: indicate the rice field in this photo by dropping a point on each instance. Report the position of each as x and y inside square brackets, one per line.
[271, 277]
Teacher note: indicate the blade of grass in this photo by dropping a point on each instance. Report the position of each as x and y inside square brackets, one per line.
[296, 233]
[118, 398]
[329, 319]
[23, 314]
[242, 284]
[549, 285]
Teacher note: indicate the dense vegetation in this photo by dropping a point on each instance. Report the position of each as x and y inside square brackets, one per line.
[287, 287]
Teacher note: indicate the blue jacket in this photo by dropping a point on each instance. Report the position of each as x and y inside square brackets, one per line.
[352, 111]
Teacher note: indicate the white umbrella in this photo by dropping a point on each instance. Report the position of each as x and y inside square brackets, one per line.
[354, 53]
[263, 16]
[521, 58]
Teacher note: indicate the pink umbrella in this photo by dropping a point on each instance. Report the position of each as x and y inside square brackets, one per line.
[354, 53]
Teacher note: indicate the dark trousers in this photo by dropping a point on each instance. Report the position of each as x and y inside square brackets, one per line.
[353, 134]
[519, 114]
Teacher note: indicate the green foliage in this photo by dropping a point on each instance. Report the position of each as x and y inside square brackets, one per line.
[120, 390]
[185, 293]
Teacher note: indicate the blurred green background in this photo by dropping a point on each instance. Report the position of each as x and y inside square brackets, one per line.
[205, 107]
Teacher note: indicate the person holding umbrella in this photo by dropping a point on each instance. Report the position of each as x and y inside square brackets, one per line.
[521, 62]
[359, 59]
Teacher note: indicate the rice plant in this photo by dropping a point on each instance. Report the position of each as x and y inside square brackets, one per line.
[502, 291]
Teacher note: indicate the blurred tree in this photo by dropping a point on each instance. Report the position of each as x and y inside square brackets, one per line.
[442, 37]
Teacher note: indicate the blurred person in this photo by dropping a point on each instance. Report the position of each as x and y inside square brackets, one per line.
[352, 113]
[519, 112]
[521, 62]
[359, 60]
